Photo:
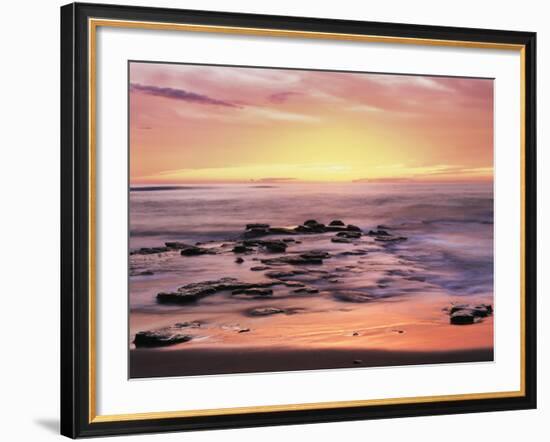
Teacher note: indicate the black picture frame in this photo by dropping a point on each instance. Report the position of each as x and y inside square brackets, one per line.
[76, 417]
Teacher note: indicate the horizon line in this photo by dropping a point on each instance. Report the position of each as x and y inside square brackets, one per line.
[290, 182]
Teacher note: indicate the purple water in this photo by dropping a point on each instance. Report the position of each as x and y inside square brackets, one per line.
[449, 226]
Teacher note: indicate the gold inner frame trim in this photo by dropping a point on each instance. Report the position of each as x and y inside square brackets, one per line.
[93, 24]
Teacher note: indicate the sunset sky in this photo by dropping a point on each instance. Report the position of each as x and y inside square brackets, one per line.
[211, 124]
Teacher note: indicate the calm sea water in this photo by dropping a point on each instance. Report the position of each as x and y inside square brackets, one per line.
[449, 226]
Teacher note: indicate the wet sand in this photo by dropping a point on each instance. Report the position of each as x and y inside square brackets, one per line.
[146, 363]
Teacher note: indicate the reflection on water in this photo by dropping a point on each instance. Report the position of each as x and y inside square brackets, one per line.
[447, 258]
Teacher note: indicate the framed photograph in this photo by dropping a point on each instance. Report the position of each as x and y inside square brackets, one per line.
[274, 220]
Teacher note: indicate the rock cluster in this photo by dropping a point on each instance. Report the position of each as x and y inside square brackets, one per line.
[313, 257]
[253, 293]
[159, 338]
[196, 251]
[465, 314]
[197, 290]
[309, 226]
[381, 234]
[268, 311]
[186, 249]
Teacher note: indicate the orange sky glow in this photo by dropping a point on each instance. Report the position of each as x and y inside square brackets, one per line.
[213, 124]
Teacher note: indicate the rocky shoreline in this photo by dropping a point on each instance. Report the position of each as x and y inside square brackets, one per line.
[291, 270]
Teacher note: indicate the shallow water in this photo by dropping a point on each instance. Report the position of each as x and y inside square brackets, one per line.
[448, 257]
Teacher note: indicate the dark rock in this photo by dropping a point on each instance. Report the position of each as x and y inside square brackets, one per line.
[188, 324]
[310, 229]
[255, 232]
[488, 308]
[479, 311]
[336, 222]
[457, 307]
[266, 311]
[311, 222]
[353, 228]
[275, 246]
[357, 361]
[355, 334]
[462, 317]
[396, 272]
[315, 254]
[241, 248]
[293, 284]
[416, 278]
[197, 290]
[340, 240]
[378, 233]
[462, 314]
[254, 293]
[353, 296]
[179, 298]
[251, 242]
[239, 260]
[146, 273]
[336, 229]
[303, 259]
[244, 330]
[258, 268]
[195, 251]
[177, 245]
[358, 252]
[390, 238]
[281, 231]
[308, 290]
[150, 250]
[159, 339]
[278, 275]
[349, 234]
[311, 226]
[257, 226]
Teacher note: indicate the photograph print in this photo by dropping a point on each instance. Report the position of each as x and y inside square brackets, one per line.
[286, 219]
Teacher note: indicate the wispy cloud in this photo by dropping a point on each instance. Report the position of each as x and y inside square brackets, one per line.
[275, 180]
[403, 173]
[364, 108]
[281, 97]
[248, 115]
[431, 83]
[180, 94]
[273, 114]
[258, 173]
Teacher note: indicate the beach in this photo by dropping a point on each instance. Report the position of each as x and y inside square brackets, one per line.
[252, 277]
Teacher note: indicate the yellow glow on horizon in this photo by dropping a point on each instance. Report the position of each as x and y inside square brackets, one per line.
[318, 172]
[302, 126]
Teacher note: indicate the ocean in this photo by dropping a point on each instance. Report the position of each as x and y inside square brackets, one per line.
[367, 294]
[449, 226]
